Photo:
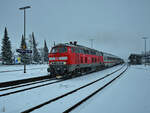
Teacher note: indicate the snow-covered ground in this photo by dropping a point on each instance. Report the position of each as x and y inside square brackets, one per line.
[129, 94]
[17, 75]
[16, 103]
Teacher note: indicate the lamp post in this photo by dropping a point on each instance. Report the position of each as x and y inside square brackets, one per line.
[91, 42]
[24, 9]
[145, 38]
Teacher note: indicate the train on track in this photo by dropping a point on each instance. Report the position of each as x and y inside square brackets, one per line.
[69, 59]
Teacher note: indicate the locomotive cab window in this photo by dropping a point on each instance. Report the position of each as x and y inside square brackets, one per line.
[59, 50]
[62, 49]
[54, 50]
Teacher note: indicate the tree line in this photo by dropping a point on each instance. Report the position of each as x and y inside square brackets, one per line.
[36, 56]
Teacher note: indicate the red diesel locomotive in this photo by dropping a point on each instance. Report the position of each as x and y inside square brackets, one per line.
[67, 59]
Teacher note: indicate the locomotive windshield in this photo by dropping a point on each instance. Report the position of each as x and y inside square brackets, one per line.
[59, 50]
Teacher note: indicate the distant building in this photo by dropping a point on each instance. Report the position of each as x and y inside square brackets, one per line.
[135, 59]
[139, 58]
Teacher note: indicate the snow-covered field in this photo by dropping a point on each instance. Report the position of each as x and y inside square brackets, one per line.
[129, 94]
[17, 75]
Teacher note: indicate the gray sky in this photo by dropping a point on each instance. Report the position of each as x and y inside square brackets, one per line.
[115, 25]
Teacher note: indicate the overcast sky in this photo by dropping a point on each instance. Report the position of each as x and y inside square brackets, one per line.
[117, 26]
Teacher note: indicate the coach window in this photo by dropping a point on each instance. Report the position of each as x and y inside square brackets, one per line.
[80, 50]
[105, 57]
[72, 50]
[92, 60]
[88, 52]
[81, 59]
[85, 59]
[76, 50]
[100, 54]
[96, 53]
[84, 52]
[92, 52]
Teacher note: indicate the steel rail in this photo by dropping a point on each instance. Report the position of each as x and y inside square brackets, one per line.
[19, 70]
[23, 81]
[26, 84]
[13, 92]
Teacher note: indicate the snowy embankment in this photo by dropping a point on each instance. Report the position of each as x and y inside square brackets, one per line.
[38, 70]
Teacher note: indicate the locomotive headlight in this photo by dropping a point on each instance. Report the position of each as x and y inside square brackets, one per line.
[51, 58]
[64, 62]
[63, 58]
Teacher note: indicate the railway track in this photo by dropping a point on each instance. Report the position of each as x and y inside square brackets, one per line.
[26, 84]
[23, 81]
[76, 90]
[29, 88]
[20, 70]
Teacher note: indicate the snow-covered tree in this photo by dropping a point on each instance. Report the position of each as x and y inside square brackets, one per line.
[30, 46]
[6, 49]
[36, 55]
[45, 52]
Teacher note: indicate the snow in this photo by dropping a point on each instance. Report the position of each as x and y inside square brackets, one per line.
[38, 70]
[128, 94]
[21, 101]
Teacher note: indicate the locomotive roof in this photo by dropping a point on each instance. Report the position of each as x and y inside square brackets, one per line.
[80, 46]
[72, 45]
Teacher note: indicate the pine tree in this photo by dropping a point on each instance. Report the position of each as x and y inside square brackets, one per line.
[36, 55]
[24, 56]
[45, 52]
[30, 45]
[6, 49]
